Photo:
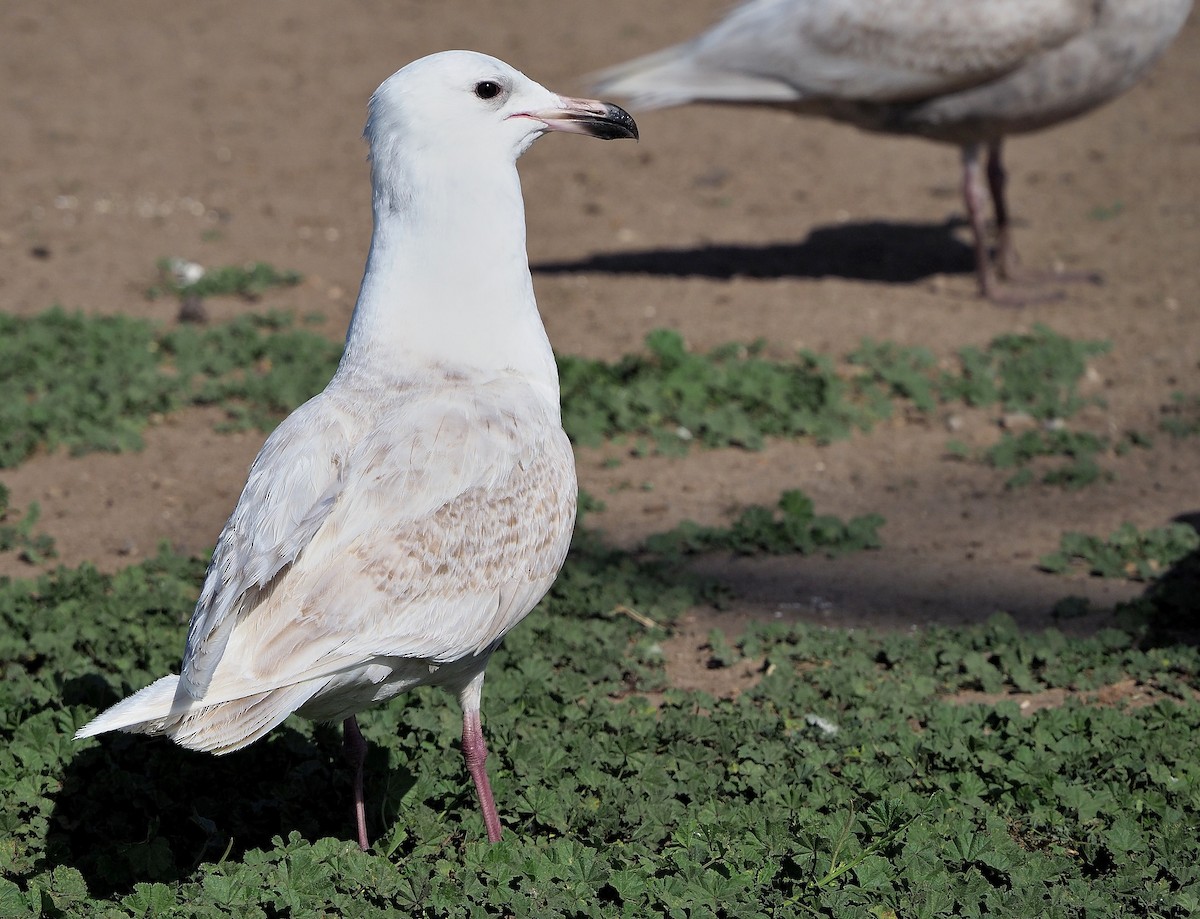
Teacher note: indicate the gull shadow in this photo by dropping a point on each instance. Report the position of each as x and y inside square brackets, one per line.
[874, 251]
[880, 592]
[141, 809]
[1172, 603]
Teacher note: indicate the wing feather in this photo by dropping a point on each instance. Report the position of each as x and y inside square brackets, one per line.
[850, 50]
[293, 485]
[452, 520]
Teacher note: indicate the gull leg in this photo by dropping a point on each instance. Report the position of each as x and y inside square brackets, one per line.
[975, 200]
[355, 748]
[475, 753]
[995, 275]
[1008, 264]
[997, 178]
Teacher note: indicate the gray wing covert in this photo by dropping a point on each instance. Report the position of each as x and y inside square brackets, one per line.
[293, 484]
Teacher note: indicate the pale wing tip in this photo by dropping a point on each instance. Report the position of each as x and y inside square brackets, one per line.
[103, 723]
[140, 712]
[651, 81]
[626, 86]
[654, 82]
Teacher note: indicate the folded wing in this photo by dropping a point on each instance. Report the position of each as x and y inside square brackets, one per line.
[795, 51]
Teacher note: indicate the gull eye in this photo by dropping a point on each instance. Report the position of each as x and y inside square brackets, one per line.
[487, 89]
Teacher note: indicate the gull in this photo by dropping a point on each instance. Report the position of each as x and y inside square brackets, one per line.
[966, 73]
[397, 525]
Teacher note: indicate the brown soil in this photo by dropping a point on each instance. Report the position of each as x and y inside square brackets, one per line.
[225, 132]
[1125, 694]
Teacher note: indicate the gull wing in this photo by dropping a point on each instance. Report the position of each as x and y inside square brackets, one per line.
[450, 522]
[292, 486]
[797, 51]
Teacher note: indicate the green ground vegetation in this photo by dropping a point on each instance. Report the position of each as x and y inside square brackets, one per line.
[249, 281]
[1142, 555]
[792, 527]
[849, 778]
[852, 776]
[1181, 417]
[95, 383]
[17, 531]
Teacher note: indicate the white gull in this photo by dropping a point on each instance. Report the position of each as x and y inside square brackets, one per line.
[397, 525]
[967, 73]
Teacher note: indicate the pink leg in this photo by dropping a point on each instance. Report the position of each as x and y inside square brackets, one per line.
[475, 753]
[1006, 256]
[975, 193]
[1008, 265]
[976, 201]
[356, 754]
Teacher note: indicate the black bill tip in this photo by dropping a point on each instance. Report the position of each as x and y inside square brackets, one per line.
[590, 117]
[614, 124]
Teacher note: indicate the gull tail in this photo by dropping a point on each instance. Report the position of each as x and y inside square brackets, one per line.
[161, 708]
[148, 711]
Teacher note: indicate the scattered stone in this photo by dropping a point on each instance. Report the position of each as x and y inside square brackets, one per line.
[1018, 421]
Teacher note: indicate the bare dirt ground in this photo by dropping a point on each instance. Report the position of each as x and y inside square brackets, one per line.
[226, 132]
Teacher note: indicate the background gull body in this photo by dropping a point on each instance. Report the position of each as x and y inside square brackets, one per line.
[398, 524]
[969, 74]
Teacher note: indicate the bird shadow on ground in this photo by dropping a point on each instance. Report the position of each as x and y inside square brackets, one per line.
[883, 593]
[1162, 615]
[1172, 602]
[874, 251]
[140, 809]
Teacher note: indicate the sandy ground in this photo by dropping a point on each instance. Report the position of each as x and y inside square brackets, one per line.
[226, 132]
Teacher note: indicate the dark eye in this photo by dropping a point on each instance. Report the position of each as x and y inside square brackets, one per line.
[486, 89]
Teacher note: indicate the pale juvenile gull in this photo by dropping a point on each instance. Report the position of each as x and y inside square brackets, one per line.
[397, 525]
[967, 73]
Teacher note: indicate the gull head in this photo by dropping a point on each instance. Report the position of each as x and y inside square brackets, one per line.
[462, 104]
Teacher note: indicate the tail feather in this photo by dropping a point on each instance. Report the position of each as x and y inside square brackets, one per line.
[221, 728]
[229, 726]
[147, 711]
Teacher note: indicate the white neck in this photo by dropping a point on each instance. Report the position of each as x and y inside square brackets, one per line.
[447, 278]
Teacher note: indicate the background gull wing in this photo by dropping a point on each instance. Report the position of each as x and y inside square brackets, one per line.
[795, 51]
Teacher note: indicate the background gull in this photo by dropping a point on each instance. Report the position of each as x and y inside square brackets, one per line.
[963, 73]
[397, 525]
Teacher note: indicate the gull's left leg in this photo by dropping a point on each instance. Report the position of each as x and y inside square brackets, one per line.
[974, 198]
[1007, 264]
[475, 753]
[355, 748]
[997, 179]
